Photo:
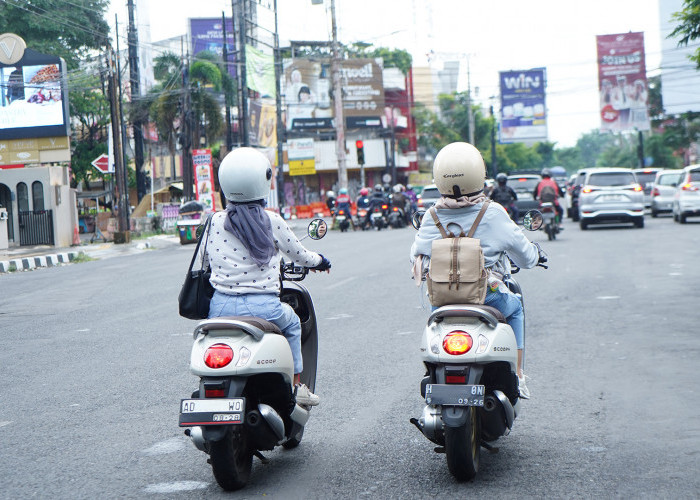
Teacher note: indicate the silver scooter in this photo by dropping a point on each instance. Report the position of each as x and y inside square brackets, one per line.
[245, 403]
[471, 385]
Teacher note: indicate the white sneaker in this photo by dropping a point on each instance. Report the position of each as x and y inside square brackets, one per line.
[522, 388]
[305, 397]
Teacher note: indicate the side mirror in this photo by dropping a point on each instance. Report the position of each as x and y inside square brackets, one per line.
[416, 218]
[532, 220]
[317, 229]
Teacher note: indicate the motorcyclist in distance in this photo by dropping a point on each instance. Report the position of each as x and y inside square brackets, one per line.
[343, 202]
[400, 200]
[505, 195]
[548, 191]
[459, 172]
[376, 200]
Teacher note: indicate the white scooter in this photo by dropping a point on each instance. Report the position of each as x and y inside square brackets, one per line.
[471, 384]
[246, 398]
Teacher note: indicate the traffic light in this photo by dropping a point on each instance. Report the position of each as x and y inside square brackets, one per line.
[360, 152]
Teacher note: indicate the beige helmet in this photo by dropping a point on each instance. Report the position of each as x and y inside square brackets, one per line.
[245, 175]
[459, 170]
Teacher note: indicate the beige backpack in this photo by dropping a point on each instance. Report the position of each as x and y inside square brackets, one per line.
[457, 274]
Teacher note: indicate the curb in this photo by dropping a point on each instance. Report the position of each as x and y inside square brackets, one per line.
[29, 263]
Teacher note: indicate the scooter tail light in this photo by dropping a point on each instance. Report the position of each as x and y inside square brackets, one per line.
[214, 393]
[384, 207]
[455, 379]
[218, 356]
[457, 342]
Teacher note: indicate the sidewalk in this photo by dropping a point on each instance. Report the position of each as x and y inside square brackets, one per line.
[31, 257]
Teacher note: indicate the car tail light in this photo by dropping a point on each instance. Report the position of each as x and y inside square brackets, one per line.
[655, 192]
[384, 207]
[587, 189]
[457, 342]
[638, 188]
[218, 356]
[689, 186]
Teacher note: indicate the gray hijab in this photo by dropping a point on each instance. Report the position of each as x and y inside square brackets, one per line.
[251, 225]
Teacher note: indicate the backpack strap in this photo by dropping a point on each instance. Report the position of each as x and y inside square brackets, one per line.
[484, 206]
[438, 224]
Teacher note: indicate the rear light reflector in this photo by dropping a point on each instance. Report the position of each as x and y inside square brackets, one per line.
[214, 393]
[218, 356]
[655, 192]
[456, 379]
[457, 342]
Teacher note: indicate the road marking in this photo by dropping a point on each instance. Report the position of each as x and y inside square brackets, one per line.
[675, 274]
[83, 330]
[341, 316]
[164, 447]
[340, 283]
[608, 297]
[404, 333]
[7, 422]
[176, 486]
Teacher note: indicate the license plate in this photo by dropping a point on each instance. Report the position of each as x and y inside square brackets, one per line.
[612, 197]
[525, 196]
[455, 395]
[211, 411]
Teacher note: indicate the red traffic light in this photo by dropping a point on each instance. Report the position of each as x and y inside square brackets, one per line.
[358, 144]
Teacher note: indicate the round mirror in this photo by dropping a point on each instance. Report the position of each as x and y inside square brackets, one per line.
[416, 218]
[532, 221]
[317, 229]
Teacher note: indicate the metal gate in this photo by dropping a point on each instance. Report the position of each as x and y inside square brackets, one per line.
[36, 228]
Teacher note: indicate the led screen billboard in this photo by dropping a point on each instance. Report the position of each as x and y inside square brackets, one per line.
[33, 101]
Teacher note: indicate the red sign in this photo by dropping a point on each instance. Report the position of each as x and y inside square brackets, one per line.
[101, 163]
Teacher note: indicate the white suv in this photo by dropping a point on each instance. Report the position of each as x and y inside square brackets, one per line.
[686, 200]
[610, 195]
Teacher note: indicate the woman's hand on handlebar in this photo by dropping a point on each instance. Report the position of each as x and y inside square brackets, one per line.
[325, 265]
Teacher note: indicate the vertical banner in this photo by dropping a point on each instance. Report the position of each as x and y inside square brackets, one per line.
[622, 82]
[523, 107]
[260, 72]
[302, 157]
[204, 177]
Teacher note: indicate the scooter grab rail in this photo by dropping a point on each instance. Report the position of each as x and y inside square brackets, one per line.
[209, 326]
[459, 311]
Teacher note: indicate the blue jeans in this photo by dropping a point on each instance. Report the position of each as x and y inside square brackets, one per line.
[265, 306]
[511, 307]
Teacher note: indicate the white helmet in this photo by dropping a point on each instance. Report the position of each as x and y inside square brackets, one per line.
[245, 175]
[459, 170]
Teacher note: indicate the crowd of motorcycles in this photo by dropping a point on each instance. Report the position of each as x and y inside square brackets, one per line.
[380, 209]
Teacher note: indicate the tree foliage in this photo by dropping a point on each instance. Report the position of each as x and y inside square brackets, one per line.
[689, 27]
[65, 29]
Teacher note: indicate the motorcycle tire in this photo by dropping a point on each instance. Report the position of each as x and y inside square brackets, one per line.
[463, 447]
[231, 460]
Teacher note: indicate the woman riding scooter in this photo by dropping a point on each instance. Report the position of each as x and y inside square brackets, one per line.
[459, 172]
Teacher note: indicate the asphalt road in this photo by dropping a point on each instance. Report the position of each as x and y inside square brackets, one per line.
[94, 360]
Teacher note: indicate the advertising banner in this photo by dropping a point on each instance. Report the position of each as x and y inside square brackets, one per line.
[204, 177]
[260, 72]
[622, 82]
[301, 155]
[308, 90]
[523, 108]
[263, 123]
[208, 34]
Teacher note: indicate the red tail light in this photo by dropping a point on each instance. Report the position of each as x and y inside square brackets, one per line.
[655, 192]
[587, 189]
[420, 202]
[689, 186]
[218, 356]
[457, 342]
[638, 188]
[384, 207]
[341, 212]
[395, 209]
[456, 379]
[214, 393]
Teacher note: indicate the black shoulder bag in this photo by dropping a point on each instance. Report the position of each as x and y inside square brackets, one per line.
[197, 291]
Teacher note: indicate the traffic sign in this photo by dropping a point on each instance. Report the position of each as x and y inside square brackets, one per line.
[101, 163]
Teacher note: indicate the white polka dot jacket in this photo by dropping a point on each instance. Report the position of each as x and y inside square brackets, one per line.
[234, 272]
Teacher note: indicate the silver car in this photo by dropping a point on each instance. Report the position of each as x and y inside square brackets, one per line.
[686, 200]
[610, 195]
[662, 190]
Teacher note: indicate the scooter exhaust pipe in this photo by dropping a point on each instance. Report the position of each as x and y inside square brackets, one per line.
[197, 437]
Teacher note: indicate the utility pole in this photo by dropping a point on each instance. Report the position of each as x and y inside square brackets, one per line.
[122, 196]
[640, 150]
[469, 105]
[494, 159]
[227, 97]
[134, 82]
[338, 101]
[277, 61]
[186, 132]
[242, 85]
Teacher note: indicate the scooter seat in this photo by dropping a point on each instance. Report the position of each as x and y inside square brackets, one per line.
[261, 324]
[468, 311]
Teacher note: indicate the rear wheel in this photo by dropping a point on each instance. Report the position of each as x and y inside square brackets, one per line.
[576, 216]
[463, 446]
[639, 222]
[654, 213]
[681, 218]
[583, 224]
[231, 459]
[550, 232]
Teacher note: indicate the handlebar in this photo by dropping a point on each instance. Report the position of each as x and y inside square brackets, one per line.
[291, 272]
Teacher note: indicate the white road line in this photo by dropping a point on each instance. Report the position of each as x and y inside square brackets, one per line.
[164, 447]
[608, 297]
[176, 486]
[340, 283]
[7, 422]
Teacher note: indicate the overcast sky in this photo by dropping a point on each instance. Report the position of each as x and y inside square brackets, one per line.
[496, 35]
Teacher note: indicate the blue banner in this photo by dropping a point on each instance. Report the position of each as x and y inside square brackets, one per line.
[523, 108]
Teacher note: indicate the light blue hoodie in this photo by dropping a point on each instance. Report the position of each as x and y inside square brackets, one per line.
[498, 234]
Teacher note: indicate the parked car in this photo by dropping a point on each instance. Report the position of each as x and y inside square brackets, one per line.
[610, 195]
[686, 200]
[573, 191]
[524, 186]
[428, 197]
[662, 190]
[645, 178]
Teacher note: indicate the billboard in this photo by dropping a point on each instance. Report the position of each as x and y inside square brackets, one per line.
[523, 107]
[33, 100]
[308, 90]
[622, 82]
[204, 177]
[207, 34]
